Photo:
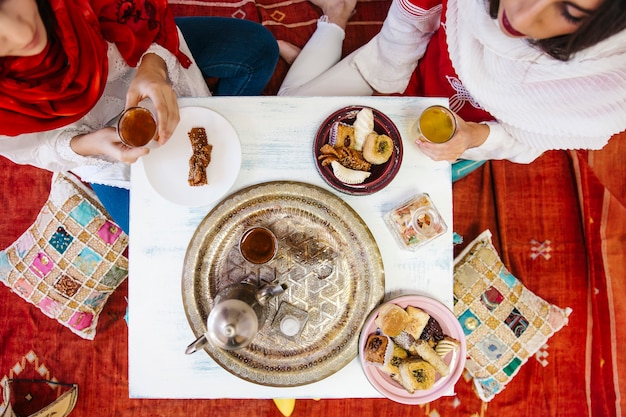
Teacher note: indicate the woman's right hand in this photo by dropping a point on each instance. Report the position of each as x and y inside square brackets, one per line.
[151, 82]
[468, 135]
[106, 143]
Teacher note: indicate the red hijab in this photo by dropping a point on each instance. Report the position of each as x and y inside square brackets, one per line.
[64, 82]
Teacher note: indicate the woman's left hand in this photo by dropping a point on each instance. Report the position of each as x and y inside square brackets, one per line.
[106, 143]
[151, 82]
[468, 135]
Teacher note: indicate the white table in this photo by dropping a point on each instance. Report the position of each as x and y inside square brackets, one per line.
[160, 232]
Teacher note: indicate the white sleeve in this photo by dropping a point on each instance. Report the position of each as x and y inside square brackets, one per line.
[389, 59]
[187, 82]
[170, 60]
[48, 150]
[501, 145]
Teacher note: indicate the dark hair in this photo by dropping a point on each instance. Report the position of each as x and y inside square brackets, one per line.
[47, 16]
[607, 20]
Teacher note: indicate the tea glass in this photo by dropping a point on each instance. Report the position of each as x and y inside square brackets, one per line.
[258, 245]
[136, 127]
[436, 124]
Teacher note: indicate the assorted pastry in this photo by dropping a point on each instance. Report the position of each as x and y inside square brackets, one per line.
[200, 157]
[353, 149]
[410, 346]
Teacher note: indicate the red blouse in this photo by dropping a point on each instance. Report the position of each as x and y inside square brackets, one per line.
[435, 75]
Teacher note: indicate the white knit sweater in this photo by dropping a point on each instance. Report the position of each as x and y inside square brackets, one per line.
[539, 103]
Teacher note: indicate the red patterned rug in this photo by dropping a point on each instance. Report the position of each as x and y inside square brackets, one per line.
[558, 225]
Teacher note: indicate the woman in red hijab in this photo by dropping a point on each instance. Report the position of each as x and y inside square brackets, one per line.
[69, 67]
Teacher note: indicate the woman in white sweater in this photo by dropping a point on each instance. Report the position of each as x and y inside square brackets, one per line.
[522, 77]
[69, 67]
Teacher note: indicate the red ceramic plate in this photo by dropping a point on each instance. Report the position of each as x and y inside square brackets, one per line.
[381, 174]
[456, 360]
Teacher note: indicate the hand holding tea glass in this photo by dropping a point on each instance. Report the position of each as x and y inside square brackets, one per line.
[151, 82]
[443, 136]
[106, 142]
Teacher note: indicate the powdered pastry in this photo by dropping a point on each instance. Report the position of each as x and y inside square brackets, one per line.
[363, 126]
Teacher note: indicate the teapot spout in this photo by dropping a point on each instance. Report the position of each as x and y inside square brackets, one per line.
[196, 345]
[269, 291]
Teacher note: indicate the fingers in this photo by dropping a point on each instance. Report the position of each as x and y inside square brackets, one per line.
[151, 82]
[131, 155]
[438, 151]
[111, 146]
[466, 136]
[105, 143]
[166, 109]
[132, 99]
[168, 116]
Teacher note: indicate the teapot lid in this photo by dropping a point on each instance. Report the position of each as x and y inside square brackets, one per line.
[232, 324]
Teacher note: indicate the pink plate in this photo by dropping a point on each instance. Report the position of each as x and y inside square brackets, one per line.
[381, 174]
[456, 360]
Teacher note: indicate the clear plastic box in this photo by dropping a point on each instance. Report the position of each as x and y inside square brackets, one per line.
[415, 222]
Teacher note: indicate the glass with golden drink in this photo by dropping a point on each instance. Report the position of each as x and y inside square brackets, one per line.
[136, 127]
[436, 124]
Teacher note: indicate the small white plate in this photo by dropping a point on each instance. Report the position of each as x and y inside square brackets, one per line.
[167, 167]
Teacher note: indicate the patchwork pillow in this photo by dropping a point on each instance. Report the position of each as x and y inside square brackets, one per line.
[504, 323]
[70, 260]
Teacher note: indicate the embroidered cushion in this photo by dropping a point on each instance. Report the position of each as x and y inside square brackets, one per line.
[70, 260]
[504, 323]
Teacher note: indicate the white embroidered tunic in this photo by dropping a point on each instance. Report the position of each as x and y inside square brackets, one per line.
[538, 103]
[51, 150]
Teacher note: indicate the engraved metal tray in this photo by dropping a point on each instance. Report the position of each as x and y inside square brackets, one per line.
[326, 255]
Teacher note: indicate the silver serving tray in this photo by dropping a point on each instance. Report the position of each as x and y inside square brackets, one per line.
[329, 260]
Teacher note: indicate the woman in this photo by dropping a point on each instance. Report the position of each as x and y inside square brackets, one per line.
[69, 67]
[523, 76]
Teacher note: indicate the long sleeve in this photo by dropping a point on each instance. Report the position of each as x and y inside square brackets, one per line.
[389, 59]
[539, 103]
[48, 150]
[51, 149]
[501, 145]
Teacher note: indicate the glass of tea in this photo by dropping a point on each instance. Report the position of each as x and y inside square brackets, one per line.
[258, 245]
[436, 124]
[136, 127]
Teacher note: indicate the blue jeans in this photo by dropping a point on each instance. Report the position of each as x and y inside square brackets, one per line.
[241, 54]
[116, 202]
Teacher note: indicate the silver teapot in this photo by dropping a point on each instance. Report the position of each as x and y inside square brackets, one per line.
[239, 312]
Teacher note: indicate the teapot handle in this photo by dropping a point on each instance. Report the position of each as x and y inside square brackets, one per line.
[196, 345]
